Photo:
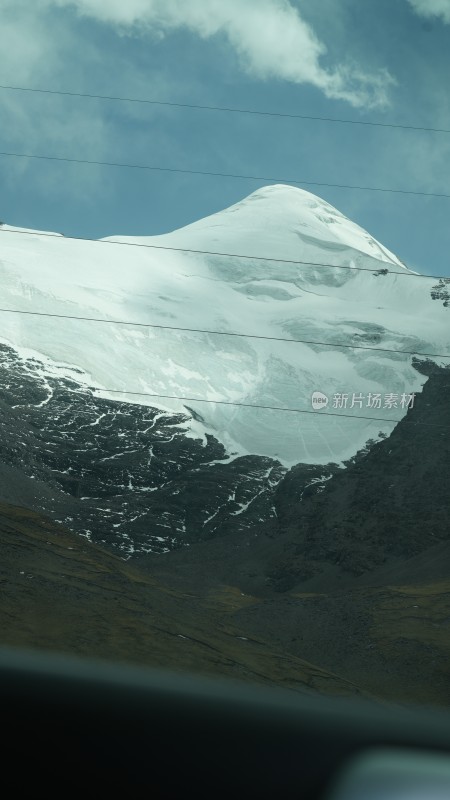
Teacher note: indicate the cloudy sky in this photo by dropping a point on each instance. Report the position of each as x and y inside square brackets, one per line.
[384, 61]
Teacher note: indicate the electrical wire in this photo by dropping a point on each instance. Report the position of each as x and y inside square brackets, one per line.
[60, 237]
[225, 109]
[222, 333]
[223, 174]
[270, 408]
[259, 406]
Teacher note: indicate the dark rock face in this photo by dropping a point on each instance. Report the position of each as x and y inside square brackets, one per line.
[121, 474]
[392, 500]
[127, 477]
[441, 291]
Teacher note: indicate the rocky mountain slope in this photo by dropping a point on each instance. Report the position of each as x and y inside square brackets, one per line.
[391, 501]
[61, 593]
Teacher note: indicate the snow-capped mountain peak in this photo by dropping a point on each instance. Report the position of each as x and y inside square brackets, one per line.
[353, 303]
[284, 221]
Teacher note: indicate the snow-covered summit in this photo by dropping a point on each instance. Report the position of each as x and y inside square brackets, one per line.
[353, 303]
[279, 221]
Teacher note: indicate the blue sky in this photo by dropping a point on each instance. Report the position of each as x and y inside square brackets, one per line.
[366, 60]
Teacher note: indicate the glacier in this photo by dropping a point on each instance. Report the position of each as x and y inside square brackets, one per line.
[247, 282]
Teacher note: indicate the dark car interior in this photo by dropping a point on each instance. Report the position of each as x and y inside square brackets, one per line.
[71, 725]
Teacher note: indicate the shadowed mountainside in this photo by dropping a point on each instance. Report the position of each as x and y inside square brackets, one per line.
[63, 593]
[392, 501]
[389, 643]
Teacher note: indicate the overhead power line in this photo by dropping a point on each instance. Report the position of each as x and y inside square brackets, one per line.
[222, 333]
[60, 237]
[259, 406]
[255, 112]
[263, 178]
[269, 408]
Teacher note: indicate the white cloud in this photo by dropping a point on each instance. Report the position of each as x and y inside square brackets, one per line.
[432, 8]
[269, 37]
[32, 52]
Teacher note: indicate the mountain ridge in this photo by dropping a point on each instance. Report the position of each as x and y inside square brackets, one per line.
[330, 312]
